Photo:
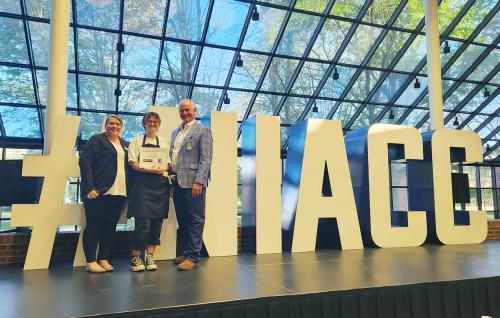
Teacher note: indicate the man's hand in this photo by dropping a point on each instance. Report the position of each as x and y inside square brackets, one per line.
[197, 187]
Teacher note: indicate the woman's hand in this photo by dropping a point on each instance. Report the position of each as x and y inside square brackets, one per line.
[92, 195]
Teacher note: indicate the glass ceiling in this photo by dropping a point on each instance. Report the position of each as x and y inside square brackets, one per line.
[352, 60]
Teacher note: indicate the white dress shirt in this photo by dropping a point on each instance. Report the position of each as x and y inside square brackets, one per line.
[184, 130]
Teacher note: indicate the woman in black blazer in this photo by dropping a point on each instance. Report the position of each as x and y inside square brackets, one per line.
[103, 170]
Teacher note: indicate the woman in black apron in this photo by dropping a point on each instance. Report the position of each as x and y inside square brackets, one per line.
[149, 197]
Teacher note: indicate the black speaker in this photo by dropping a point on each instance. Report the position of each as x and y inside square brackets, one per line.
[460, 186]
[14, 187]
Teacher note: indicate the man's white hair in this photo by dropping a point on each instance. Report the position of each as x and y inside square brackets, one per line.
[187, 100]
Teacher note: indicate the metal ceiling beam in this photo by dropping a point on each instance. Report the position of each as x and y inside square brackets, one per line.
[485, 103]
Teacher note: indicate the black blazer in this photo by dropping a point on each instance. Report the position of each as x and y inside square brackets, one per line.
[98, 166]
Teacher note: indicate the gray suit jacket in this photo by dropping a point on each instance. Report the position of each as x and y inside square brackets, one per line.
[193, 163]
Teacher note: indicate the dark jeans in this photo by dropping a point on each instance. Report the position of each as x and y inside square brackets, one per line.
[146, 232]
[191, 218]
[102, 215]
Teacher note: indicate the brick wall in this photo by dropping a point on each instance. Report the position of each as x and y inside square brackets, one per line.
[13, 247]
[493, 230]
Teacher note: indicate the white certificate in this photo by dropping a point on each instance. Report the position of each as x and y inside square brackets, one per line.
[150, 157]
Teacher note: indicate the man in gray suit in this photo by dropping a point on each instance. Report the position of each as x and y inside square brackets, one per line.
[191, 153]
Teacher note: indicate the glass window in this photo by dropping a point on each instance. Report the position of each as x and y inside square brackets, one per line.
[227, 22]
[170, 94]
[97, 51]
[314, 6]
[39, 8]
[472, 18]
[329, 39]
[91, 124]
[40, 42]
[97, 92]
[363, 85]
[308, 78]
[279, 74]
[486, 66]
[491, 126]
[324, 108]
[132, 126]
[465, 60]
[415, 53]
[206, 100]
[347, 8]
[414, 117]
[333, 87]
[490, 31]
[411, 93]
[367, 116]
[12, 41]
[292, 109]
[345, 111]
[297, 34]
[16, 85]
[136, 96]
[265, 104]
[140, 58]
[42, 81]
[20, 121]
[239, 103]
[10, 6]
[214, 66]
[360, 44]
[390, 46]
[412, 14]
[391, 85]
[399, 199]
[103, 14]
[458, 95]
[186, 19]
[249, 74]
[261, 34]
[178, 61]
[447, 11]
[380, 11]
[145, 16]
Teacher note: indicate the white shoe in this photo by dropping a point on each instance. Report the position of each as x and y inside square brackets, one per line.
[94, 268]
[150, 263]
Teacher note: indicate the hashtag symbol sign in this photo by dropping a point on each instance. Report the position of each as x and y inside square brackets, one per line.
[44, 217]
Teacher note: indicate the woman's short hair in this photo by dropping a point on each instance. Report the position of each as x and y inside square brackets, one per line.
[115, 117]
[149, 115]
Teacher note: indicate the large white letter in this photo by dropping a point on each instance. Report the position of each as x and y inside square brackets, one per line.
[321, 142]
[261, 184]
[221, 213]
[383, 233]
[447, 232]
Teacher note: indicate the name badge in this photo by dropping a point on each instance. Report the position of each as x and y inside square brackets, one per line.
[189, 146]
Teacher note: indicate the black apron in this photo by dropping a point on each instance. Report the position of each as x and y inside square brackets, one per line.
[150, 194]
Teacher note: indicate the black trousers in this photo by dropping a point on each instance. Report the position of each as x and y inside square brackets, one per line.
[146, 232]
[191, 218]
[101, 215]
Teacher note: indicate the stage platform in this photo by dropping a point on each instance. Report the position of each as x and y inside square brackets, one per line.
[427, 281]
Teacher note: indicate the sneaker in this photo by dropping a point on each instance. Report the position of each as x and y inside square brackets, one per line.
[93, 267]
[187, 265]
[136, 264]
[150, 263]
[178, 260]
